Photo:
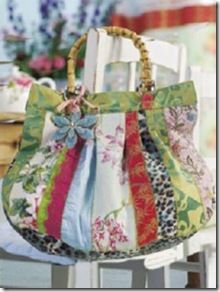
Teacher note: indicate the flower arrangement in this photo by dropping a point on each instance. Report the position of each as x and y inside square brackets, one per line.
[44, 54]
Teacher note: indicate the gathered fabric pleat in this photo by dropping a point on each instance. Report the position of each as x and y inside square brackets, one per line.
[76, 220]
[113, 218]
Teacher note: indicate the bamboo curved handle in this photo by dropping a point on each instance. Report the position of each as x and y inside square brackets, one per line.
[145, 75]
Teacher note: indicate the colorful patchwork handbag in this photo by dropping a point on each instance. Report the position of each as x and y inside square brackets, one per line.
[108, 175]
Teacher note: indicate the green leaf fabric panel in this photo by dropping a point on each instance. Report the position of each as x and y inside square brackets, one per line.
[41, 99]
[190, 212]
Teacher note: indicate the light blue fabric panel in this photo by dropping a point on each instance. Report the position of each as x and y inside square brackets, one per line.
[76, 222]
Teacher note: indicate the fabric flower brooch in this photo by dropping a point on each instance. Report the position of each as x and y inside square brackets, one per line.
[73, 126]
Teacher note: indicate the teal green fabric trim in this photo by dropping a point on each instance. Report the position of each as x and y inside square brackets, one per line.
[180, 94]
[114, 102]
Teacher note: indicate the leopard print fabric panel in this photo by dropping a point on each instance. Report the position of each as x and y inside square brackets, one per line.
[161, 184]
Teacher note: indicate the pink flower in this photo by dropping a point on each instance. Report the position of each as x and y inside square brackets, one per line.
[29, 222]
[55, 146]
[176, 148]
[112, 244]
[35, 200]
[24, 81]
[58, 62]
[107, 233]
[98, 221]
[106, 155]
[42, 64]
[116, 139]
[109, 155]
[114, 142]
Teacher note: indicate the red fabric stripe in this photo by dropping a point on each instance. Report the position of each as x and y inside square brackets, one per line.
[142, 193]
[60, 190]
[166, 18]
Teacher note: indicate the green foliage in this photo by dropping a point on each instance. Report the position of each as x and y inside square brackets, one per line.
[30, 180]
[19, 207]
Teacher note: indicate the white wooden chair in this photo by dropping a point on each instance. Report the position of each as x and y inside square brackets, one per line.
[85, 275]
[204, 242]
[102, 50]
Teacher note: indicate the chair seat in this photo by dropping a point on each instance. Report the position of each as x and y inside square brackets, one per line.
[164, 258]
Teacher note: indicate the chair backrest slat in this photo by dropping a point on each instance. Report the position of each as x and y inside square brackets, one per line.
[103, 49]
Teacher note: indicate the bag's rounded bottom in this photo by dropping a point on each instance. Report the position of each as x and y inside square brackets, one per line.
[50, 245]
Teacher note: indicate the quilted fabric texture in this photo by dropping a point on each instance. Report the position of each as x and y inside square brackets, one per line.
[122, 181]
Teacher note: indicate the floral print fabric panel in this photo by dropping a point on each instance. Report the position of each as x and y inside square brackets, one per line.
[76, 220]
[190, 213]
[42, 100]
[180, 123]
[30, 185]
[31, 182]
[113, 220]
[161, 184]
[142, 193]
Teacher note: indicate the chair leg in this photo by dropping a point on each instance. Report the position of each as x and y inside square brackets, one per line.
[125, 274]
[195, 266]
[193, 278]
[83, 275]
[59, 276]
[80, 275]
[71, 281]
[158, 278]
[210, 255]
